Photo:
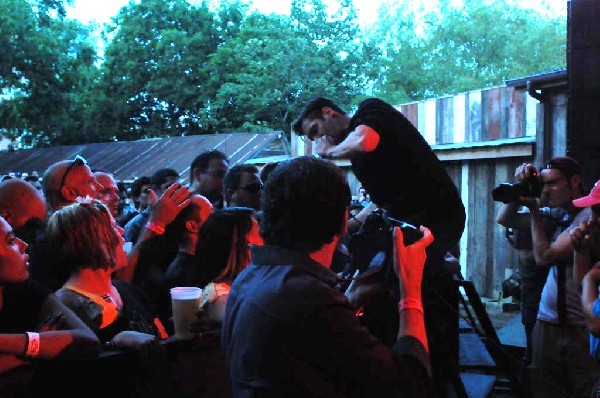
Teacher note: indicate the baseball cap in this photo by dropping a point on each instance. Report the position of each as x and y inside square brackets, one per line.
[567, 165]
[593, 198]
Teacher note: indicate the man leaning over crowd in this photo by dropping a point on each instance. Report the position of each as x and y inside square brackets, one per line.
[62, 182]
[287, 331]
[403, 175]
[561, 364]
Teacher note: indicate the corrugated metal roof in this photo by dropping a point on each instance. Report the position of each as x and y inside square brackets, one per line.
[131, 159]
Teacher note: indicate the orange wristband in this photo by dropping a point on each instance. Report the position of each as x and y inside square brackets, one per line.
[157, 229]
[410, 303]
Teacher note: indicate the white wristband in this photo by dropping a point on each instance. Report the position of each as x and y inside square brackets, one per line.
[33, 344]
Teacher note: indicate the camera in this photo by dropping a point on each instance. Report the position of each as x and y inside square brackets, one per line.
[371, 248]
[509, 193]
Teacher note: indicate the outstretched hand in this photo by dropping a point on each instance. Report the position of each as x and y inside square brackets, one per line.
[409, 261]
[169, 204]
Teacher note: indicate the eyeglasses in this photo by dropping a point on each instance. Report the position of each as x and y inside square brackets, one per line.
[253, 188]
[78, 161]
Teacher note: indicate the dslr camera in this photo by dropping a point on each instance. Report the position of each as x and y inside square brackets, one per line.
[372, 247]
[509, 193]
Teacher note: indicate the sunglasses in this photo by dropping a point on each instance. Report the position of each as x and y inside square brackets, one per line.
[253, 188]
[78, 161]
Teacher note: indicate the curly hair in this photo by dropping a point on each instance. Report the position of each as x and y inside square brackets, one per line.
[304, 203]
[83, 235]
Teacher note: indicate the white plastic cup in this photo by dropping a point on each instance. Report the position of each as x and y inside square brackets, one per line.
[185, 302]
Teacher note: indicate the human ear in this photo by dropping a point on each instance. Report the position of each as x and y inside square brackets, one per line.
[196, 173]
[327, 111]
[192, 226]
[68, 193]
[7, 215]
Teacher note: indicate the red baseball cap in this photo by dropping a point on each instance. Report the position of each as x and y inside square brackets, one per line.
[593, 198]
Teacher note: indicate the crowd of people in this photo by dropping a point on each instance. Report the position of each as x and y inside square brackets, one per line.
[86, 265]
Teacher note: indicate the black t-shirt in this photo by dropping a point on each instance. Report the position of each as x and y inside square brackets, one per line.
[404, 175]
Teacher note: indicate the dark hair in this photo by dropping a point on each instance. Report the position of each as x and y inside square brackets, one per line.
[266, 170]
[234, 175]
[304, 203]
[31, 178]
[201, 161]
[568, 166]
[137, 184]
[161, 249]
[160, 176]
[83, 236]
[222, 244]
[312, 110]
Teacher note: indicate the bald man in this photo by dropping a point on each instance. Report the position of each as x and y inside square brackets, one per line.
[63, 182]
[67, 180]
[23, 207]
[109, 193]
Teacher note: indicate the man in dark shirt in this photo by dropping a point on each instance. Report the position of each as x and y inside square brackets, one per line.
[287, 331]
[402, 174]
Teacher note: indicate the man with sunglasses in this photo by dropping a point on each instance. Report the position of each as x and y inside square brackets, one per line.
[561, 364]
[67, 180]
[243, 186]
[62, 183]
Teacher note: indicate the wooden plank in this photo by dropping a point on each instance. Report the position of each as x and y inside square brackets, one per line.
[411, 111]
[430, 122]
[460, 118]
[494, 113]
[515, 113]
[474, 115]
[444, 124]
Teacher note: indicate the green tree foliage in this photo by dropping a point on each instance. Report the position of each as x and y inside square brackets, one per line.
[458, 47]
[174, 67]
[264, 75]
[45, 70]
[151, 80]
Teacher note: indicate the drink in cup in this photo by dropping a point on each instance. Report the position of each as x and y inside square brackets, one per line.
[185, 302]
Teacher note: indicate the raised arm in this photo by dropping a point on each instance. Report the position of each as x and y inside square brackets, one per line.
[162, 212]
[409, 262]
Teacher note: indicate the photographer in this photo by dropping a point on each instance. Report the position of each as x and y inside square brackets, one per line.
[288, 332]
[402, 175]
[561, 325]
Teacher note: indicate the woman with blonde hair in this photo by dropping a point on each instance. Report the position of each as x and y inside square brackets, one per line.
[91, 244]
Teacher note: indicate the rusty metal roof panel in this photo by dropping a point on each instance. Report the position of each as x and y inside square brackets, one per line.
[131, 159]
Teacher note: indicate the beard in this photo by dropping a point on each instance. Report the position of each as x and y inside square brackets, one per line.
[28, 231]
